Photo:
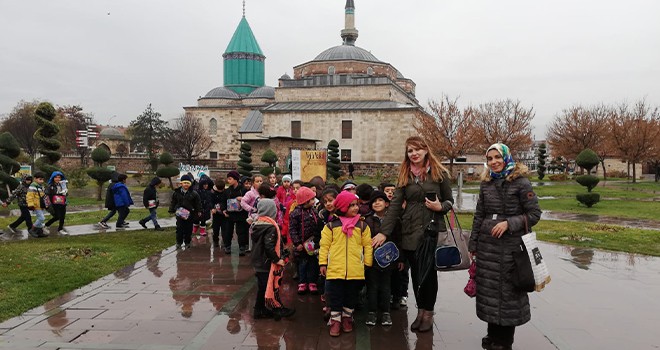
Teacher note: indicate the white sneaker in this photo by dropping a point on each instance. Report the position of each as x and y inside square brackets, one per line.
[63, 232]
[103, 224]
[404, 301]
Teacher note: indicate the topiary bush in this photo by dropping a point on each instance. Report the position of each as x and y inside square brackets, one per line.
[587, 159]
[100, 173]
[9, 151]
[271, 158]
[167, 170]
[542, 155]
[46, 138]
[333, 164]
[244, 165]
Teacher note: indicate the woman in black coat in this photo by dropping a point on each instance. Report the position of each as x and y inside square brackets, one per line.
[507, 208]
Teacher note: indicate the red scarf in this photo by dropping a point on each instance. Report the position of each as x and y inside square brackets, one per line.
[348, 224]
[275, 275]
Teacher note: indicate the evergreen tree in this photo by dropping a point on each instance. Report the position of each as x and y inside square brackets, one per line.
[333, 159]
[100, 173]
[167, 170]
[244, 165]
[542, 155]
[148, 132]
[46, 137]
[271, 158]
[9, 151]
[588, 159]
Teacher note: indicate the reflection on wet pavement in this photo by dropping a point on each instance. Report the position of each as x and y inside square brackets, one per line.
[200, 298]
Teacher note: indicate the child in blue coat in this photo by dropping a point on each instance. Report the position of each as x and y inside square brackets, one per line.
[122, 199]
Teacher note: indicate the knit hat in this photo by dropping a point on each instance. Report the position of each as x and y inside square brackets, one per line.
[348, 185]
[266, 207]
[286, 178]
[122, 177]
[344, 200]
[364, 191]
[185, 178]
[234, 174]
[304, 194]
[378, 194]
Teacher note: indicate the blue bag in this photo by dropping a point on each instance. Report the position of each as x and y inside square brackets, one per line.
[386, 254]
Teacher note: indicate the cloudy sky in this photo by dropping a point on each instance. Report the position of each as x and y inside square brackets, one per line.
[113, 57]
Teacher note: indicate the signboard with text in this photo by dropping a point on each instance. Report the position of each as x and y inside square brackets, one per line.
[306, 164]
[195, 170]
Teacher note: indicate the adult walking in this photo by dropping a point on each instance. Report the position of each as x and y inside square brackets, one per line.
[58, 192]
[506, 209]
[424, 186]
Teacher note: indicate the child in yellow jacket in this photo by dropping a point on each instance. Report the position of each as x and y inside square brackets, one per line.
[345, 251]
[36, 202]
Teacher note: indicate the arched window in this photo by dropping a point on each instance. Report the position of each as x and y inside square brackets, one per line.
[213, 127]
[331, 70]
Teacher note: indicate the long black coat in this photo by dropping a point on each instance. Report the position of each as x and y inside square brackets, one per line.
[512, 200]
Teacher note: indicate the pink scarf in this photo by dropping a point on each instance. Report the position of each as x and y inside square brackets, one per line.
[348, 224]
[419, 171]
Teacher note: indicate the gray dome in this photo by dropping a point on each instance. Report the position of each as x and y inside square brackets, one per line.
[263, 92]
[346, 52]
[285, 77]
[222, 92]
[111, 133]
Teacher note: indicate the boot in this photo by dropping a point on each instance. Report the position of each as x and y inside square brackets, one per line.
[415, 325]
[195, 229]
[427, 322]
[282, 312]
[143, 223]
[158, 228]
[202, 231]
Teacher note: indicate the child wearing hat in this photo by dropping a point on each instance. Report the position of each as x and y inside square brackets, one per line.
[304, 225]
[123, 200]
[345, 251]
[285, 193]
[188, 206]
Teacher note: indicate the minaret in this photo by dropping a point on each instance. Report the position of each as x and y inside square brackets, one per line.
[244, 62]
[349, 34]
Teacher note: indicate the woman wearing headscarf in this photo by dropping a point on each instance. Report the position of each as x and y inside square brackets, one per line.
[507, 208]
[424, 186]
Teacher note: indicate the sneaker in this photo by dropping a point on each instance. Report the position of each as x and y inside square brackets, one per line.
[63, 232]
[282, 312]
[347, 324]
[37, 232]
[143, 224]
[178, 247]
[11, 230]
[386, 319]
[404, 302]
[241, 252]
[335, 328]
[302, 288]
[371, 319]
[395, 304]
[313, 289]
[188, 246]
[125, 224]
[103, 225]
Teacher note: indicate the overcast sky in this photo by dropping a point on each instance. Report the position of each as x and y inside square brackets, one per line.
[113, 57]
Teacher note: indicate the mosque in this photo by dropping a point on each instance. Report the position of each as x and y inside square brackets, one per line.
[345, 93]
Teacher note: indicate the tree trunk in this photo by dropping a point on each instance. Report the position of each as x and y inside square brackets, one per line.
[634, 173]
[602, 162]
[99, 191]
[171, 185]
[451, 167]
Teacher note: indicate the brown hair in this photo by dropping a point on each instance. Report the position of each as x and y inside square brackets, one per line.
[438, 171]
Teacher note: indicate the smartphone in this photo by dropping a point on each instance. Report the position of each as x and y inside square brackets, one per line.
[431, 196]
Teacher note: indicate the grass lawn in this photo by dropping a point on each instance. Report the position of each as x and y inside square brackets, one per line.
[616, 208]
[92, 217]
[36, 271]
[592, 235]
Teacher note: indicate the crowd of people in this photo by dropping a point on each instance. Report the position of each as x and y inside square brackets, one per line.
[329, 233]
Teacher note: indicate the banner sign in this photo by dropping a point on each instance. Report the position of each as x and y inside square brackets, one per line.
[24, 170]
[196, 170]
[306, 164]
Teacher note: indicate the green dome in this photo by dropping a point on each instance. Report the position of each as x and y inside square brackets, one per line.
[244, 66]
[244, 40]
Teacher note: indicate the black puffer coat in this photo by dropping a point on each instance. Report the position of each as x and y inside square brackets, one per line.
[512, 200]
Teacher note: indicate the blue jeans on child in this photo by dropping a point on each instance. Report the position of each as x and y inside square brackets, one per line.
[39, 223]
[308, 268]
[152, 216]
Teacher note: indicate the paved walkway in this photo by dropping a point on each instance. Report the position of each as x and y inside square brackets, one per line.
[201, 298]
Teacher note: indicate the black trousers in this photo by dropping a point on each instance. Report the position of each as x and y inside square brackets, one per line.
[426, 291]
[218, 222]
[502, 335]
[400, 281]
[123, 213]
[59, 213]
[342, 293]
[25, 216]
[184, 231]
[378, 289]
[262, 283]
[242, 228]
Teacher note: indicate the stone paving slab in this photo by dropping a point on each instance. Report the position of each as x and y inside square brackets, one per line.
[201, 298]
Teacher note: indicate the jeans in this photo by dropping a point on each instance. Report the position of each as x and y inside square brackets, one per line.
[152, 216]
[59, 213]
[342, 293]
[242, 228]
[25, 216]
[123, 213]
[262, 283]
[184, 231]
[378, 289]
[39, 223]
[426, 291]
[110, 215]
[308, 268]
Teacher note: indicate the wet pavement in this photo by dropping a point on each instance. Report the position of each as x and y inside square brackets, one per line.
[200, 298]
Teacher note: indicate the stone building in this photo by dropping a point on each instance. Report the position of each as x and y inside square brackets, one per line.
[345, 93]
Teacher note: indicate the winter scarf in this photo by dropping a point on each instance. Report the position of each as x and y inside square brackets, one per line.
[509, 163]
[276, 271]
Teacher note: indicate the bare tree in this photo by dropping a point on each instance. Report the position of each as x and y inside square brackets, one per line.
[189, 138]
[22, 125]
[72, 119]
[448, 130]
[578, 128]
[634, 132]
[505, 121]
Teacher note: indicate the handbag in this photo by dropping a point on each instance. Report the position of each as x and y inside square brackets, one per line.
[233, 205]
[530, 271]
[471, 286]
[386, 254]
[59, 199]
[452, 251]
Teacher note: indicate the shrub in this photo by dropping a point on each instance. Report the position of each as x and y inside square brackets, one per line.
[244, 165]
[618, 174]
[558, 177]
[587, 159]
[334, 162]
[77, 177]
[269, 170]
[588, 199]
[588, 181]
[167, 171]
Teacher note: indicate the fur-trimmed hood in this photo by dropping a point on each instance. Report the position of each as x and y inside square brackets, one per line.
[518, 171]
